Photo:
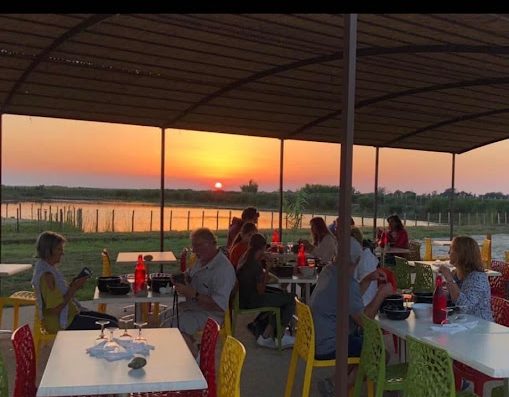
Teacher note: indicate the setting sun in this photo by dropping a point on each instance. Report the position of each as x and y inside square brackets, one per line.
[218, 185]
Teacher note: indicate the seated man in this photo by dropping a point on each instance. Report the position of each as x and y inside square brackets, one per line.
[207, 287]
[323, 307]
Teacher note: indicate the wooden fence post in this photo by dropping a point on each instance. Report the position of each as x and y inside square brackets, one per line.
[286, 221]
[459, 218]
[230, 218]
[151, 215]
[17, 220]
[271, 219]
[439, 217]
[217, 220]
[97, 220]
[6, 210]
[427, 216]
[203, 218]
[113, 220]
[132, 222]
[188, 216]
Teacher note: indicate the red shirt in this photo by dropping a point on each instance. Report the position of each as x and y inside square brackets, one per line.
[397, 239]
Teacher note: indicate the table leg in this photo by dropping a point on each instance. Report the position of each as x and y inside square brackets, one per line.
[137, 312]
[308, 288]
[506, 387]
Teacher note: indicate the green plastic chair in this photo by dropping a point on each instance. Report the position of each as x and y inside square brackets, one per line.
[277, 312]
[373, 362]
[4, 385]
[402, 272]
[430, 372]
[423, 278]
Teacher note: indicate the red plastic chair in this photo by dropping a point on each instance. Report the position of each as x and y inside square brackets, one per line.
[497, 286]
[500, 309]
[24, 350]
[207, 366]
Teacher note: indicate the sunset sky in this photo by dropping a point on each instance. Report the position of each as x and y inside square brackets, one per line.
[44, 151]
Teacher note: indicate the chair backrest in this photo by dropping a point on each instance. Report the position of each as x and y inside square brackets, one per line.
[402, 272]
[106, 269]
[497, 286]
[305, 337]
[230, 368]
[372, 363]
[415, 250]
[24, 350]
[208, 354]
[4, 383]
[486, 253]
[428, 249]
[227, 324]
[429, 371]
[500, 310]
[423, 278]
[506, 256]
[502, 267]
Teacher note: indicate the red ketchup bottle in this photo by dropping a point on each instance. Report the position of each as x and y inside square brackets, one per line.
[140, 274]
[301, 256]
[275, 236]
[439, 301]
[183, 260]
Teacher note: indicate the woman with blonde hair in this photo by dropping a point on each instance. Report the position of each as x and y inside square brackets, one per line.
[468, 285]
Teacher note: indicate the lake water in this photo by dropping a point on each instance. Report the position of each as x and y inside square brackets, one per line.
[126, 217]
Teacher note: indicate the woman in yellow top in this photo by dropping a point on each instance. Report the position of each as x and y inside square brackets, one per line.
[58, 309]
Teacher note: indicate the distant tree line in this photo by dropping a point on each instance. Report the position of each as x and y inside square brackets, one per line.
[310, 198]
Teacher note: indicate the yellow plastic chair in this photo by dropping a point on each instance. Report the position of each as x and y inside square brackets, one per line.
[226, 328]
[506, 253]
[486, 253]
[271, 309]
[230, 368]
[41, 336]
[17, 299]
[304, 348]
[428, 249]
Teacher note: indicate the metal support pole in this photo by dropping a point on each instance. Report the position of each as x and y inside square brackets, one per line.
[375, 196]
[161, 219]
[451, 198]
[281, 158]
[345, 202]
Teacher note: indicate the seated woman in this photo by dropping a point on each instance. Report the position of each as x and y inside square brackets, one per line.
[58, 309]
[468, 286]
[241, 242]
[395, 237]
[324, 243]
[252, 293]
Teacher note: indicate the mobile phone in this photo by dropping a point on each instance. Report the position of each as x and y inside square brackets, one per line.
[85, 272]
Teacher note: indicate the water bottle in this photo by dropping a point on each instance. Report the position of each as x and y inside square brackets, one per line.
[439, 301]
[301, 256]
[139, 275]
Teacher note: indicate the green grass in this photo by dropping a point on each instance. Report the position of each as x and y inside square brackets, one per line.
[84, 249]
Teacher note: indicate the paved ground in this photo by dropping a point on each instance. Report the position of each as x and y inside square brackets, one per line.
[264, 373]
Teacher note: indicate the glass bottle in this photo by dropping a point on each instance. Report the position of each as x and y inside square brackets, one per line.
[275, 236]
[140, 274]
[439, 301]
[183, 260]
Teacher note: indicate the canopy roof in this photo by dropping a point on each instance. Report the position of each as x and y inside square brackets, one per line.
[425, 82]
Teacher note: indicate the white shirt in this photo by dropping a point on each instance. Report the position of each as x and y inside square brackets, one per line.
[367, 264]
[326, 249]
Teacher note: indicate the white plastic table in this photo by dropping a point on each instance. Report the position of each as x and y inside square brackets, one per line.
[10, 269]
[71, 371]
[162, 258]
[294, 280]
[484, 347]
[435, 265]
[105, 297]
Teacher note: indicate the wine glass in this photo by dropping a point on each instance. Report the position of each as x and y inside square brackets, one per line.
[102, 323]
[111, 345]
[139, 338]
[447, 310]
[461, 313]
[126, 335]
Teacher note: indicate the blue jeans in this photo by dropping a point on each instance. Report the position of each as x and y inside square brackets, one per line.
[354, 349]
